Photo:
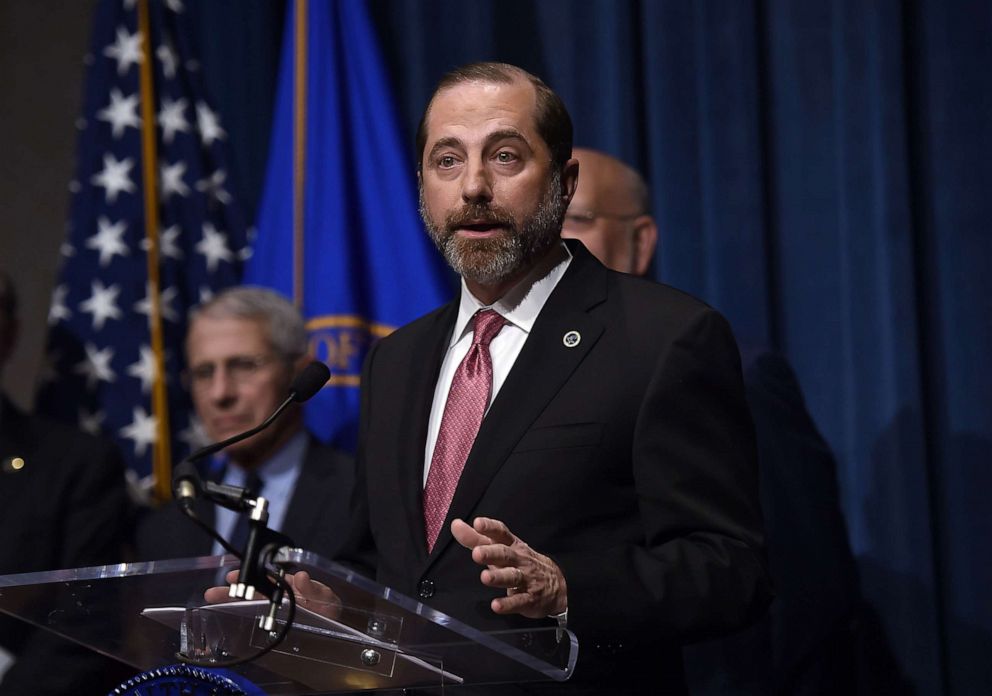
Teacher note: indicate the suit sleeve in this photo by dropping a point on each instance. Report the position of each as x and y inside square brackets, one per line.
[358, 550]
[700, 568]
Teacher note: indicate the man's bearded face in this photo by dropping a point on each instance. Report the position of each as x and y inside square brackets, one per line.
[492, 259]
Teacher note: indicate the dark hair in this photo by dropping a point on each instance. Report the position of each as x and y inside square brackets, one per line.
[554, 124]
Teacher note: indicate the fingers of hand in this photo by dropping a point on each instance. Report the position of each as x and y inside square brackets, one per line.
[494, 529]
[522, 603]
[467, 536]
[511, 578]
[216, 595]
[499, 555]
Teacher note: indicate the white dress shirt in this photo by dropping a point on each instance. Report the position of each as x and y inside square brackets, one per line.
[520, 307]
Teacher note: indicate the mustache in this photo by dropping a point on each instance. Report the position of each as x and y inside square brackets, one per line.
[479, 214]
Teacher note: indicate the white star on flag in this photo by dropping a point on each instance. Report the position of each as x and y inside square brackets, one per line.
[208, 124]
[114, 177]
[96, 365]
[146, 369]
[58, 311]
[91, 422]
[171, 178]
[167, 57]
[194, 435]
[120, 113]
[102, 304]
[213, 186]
[167, 246]
[172, 118]
[143, 429]
[213, 246]
[144, 306]
[108, 240]
[126, 50]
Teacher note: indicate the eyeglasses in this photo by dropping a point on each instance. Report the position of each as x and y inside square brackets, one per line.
[241, 369]
[581, 220]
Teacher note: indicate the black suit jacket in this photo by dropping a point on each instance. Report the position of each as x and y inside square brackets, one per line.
[64, 509]
[315, 520]
[628, 458]
[804, 646]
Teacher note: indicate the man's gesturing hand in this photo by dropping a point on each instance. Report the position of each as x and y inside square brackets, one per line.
[535, 586]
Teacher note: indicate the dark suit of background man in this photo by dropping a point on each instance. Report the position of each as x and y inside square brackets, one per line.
[804, 645]
[242, 351]
[62, 505]
[612, 483]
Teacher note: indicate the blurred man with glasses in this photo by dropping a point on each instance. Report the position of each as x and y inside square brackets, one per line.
[610, 213]
[243, 349]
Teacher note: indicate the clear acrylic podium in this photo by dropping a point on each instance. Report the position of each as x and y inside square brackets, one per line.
[145, 614]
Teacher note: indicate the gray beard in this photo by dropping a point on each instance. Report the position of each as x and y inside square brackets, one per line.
[489, 261]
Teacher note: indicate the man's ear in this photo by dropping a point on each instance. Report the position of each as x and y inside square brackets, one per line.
[645, 241]
[569, 180]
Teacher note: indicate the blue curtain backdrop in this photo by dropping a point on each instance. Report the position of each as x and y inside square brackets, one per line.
[821, 174]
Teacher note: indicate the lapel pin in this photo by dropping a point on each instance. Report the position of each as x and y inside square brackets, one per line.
[571, 339]
[12, 464]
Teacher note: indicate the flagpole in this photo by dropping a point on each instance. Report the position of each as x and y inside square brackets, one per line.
[299, 151]
[161, 452]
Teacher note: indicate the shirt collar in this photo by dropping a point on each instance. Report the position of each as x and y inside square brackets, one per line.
[523, 302]
[286, 458]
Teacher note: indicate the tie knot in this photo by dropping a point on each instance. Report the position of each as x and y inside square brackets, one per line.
[254, 483]
[486, 324]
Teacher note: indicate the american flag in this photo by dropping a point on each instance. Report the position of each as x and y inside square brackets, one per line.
[145, 118]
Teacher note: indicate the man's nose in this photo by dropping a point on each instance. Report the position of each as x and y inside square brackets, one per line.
[477, 184]
[221, 387]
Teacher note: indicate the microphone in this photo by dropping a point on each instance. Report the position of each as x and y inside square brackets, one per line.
[186, 481]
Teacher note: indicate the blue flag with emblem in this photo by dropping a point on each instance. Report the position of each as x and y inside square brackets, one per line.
[153, 229]
[338, 228]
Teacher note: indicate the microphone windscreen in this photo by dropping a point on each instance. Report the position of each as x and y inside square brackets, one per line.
[309, 382]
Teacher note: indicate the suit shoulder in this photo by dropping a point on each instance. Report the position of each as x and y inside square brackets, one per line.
[662, 301]
[59, 441]
[320, 450]
[416, 328]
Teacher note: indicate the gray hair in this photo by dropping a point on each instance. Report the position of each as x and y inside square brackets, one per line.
[286, 331]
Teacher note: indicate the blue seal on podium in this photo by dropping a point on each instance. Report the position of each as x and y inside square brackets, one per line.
[186, 680]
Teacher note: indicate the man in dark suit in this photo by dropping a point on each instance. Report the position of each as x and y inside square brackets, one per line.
[562, 444]
[804, 645]
[62, 505]
[243, 349]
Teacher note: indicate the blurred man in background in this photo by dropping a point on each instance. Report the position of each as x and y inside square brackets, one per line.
[243, 349]
[803, 645]
[62, 505]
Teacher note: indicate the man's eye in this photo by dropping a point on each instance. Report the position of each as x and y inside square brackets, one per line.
[505, 157]
[445, 161]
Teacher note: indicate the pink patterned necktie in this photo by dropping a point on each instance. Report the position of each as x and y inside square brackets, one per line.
[467, 401]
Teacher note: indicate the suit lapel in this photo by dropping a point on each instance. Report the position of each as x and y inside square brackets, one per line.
[306, 504]
[543, 366]
[426, 355]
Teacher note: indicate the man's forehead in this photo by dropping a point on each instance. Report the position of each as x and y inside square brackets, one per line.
[494, 105]
[217, 338]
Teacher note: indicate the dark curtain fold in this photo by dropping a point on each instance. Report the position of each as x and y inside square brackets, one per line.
[821, 174]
